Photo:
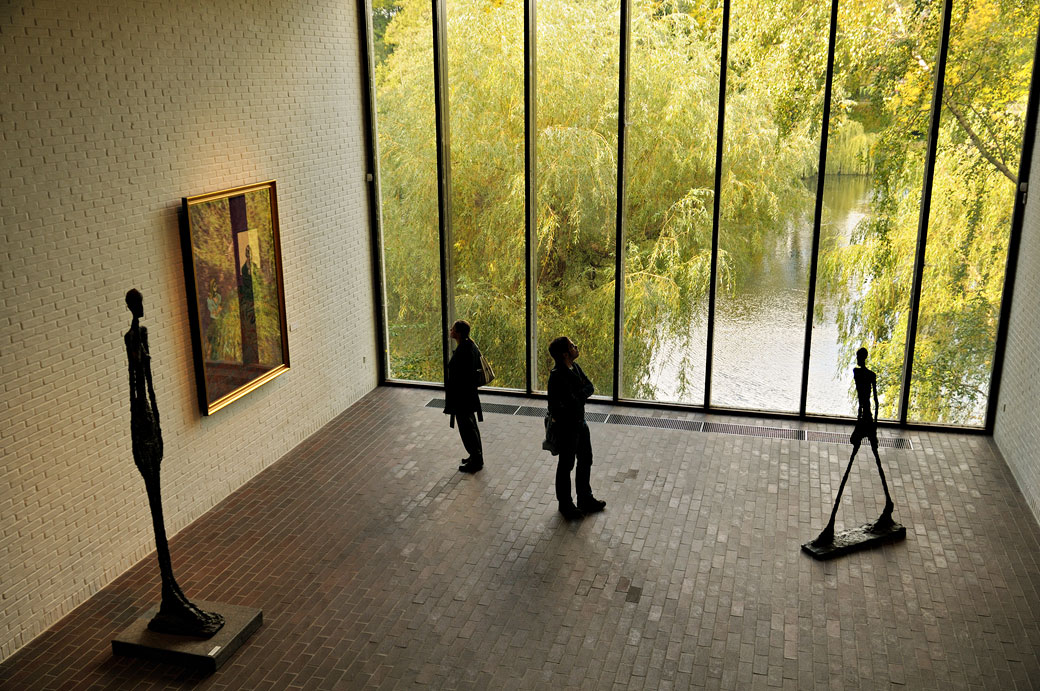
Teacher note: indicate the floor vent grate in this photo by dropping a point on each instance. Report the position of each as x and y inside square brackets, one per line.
[499, 408]
[754, 431]
[692, 425]
[658, 422]
[843, 438]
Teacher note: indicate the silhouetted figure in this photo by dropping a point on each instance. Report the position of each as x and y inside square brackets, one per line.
[866, 426]
[569, 388]
[461, 400]
[247, 311]
[176, 614]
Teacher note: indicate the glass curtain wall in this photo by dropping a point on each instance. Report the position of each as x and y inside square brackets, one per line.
[982, 123]
[880, 100]
[577, 113]
[774, 108]
[877, 160]
[670, 179]
[407, 134]
[485, 43]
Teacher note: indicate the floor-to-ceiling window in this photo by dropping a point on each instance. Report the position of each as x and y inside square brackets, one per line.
[774, 106]
[577, 134]
[917, 197]
[880, 100]
[670, 186]
[986, 87]
[485, 60]
[403, 67]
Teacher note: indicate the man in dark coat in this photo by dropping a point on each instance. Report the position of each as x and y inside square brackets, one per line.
[569, 388]
[461, 400]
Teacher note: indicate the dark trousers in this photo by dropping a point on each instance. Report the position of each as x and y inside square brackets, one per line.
[574, 445]
[470, 434]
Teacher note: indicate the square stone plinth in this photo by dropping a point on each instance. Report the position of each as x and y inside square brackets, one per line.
[208, 654]
[863, 537]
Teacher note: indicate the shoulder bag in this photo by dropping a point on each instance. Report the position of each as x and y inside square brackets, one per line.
[484, 373]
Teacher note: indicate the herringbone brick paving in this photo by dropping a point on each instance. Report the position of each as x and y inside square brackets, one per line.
[378, 565]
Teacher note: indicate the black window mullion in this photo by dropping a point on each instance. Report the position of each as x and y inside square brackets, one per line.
[818, 210]
[375, 203]
[531, 192]
[719, 134]
[619, 236]
[440, 95]
[922, 224]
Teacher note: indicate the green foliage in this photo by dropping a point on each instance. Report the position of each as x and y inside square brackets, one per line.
[849, 149]
[383, 11]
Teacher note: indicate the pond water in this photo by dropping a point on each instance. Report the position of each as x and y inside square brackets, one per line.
[760, 328]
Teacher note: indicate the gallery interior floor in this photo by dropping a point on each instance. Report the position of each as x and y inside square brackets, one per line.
[378, 565]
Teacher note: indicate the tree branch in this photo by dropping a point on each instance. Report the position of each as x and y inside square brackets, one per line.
[997, 163]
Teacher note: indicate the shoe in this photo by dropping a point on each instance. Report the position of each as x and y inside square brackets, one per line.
[571, 512]
[471, 467]
[591, 505]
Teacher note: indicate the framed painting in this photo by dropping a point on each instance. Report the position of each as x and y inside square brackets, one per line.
[236, 300]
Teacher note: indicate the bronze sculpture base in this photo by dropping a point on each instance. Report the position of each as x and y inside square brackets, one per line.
[203, 655]
[863, 537]
[177, 615]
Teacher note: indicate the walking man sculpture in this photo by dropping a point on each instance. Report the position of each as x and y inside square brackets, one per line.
[176, 614]
[866, 426]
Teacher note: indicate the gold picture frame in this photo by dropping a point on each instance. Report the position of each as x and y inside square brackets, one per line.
[236, 297]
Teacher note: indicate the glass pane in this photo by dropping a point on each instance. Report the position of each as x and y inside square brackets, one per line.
[408, 181]
[881, 95]
[774, 104]
[980, 143]
[486, 106]
[578, 49]
[670, 182]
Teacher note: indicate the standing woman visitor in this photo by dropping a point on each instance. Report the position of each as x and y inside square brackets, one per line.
[569, 388]
[460, 395]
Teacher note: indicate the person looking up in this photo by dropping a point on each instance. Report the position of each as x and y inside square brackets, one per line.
[569, 388]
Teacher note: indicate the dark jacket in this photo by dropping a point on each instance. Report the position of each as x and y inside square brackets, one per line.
[460, 389]
[568, 391]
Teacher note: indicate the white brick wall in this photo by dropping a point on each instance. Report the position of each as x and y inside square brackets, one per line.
[1017, 433]
[112, 111]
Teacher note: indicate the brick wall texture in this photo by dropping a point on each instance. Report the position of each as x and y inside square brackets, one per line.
[111, 112]
[1017, 433]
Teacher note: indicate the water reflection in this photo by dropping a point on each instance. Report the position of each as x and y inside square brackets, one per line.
[763, 323]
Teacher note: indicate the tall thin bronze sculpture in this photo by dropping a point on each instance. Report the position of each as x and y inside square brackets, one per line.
[176, 614]
[866, 426]
[884, 529]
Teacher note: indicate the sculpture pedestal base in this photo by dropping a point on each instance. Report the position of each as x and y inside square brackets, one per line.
[206, 655]
[855, 539]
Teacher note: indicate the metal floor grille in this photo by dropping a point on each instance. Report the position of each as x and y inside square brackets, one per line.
[692, 425]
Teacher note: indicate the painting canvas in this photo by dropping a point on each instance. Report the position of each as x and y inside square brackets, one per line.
[233, 272]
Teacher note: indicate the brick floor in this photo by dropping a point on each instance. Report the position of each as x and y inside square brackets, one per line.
[378, 565]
